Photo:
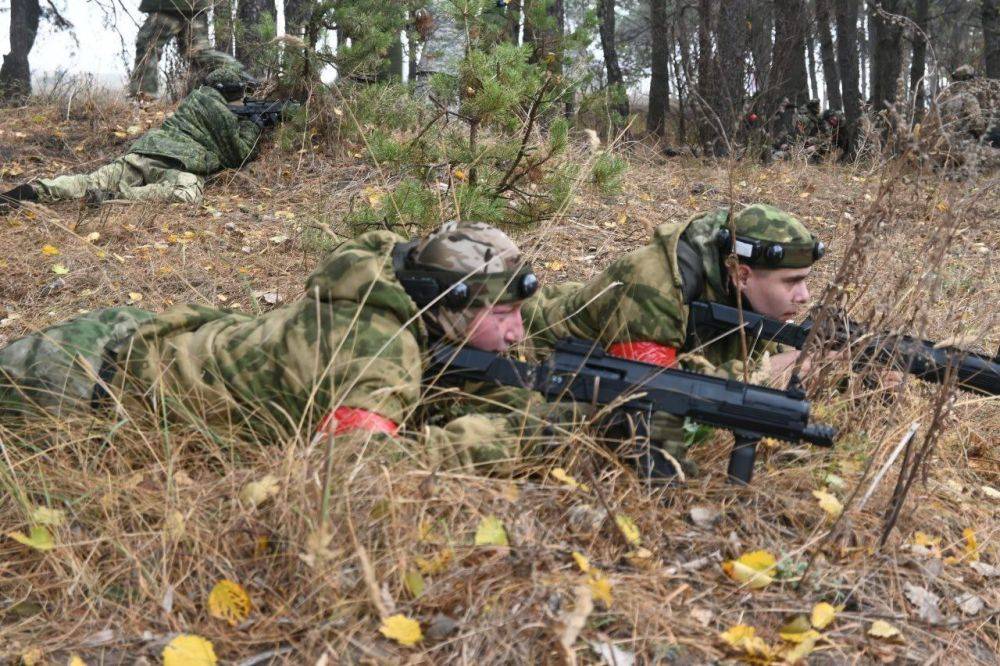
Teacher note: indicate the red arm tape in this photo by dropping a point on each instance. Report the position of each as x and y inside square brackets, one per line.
[348, 419]
[646, 352]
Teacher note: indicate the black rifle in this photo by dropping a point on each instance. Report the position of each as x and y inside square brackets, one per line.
[581, 371]
[921, 358]
[264, 112]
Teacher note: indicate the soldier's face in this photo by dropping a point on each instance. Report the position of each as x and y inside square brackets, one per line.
[496, 328]
[779, 293]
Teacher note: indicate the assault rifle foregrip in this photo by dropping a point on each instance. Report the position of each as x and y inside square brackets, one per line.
[582, 371]
[264, 113]
[918, 357]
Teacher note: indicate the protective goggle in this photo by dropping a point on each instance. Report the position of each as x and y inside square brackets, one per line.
[458, 290]
[771, 254]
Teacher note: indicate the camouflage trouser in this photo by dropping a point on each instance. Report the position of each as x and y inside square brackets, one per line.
[134, 177]
[55, 371]
[193, 44]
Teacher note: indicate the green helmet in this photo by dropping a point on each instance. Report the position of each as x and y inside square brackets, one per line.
[769, 237]
[228, 80]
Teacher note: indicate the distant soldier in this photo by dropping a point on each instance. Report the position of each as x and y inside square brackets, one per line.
[808, 121]
[348, 358]
[187, 20]
[970, 117]
[168, 163]
[444, 43]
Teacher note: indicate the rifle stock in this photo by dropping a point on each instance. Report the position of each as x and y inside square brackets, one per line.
[921, 358]
[582, 371]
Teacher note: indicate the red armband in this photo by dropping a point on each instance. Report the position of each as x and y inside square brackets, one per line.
[347, 419]
[647, 352]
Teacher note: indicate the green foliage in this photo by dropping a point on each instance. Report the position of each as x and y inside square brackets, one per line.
[373, 27]
[608, 172]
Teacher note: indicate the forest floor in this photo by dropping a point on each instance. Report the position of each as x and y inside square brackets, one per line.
[149, 519]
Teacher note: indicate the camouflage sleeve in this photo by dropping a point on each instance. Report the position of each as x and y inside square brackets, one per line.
[637, 298]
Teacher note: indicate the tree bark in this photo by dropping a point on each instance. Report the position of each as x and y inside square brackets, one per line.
[887, 56]
[847, 61]
[222, 18]
[15, 73]
[659, 80]
[811, 61]
[251, 16]
[828, 55]
[730, 62]
[297, 13]
[788, 64]
[761, 24]
[514, 21]
[707, 130]
[991, 37]
[606, 16]
[918, 64]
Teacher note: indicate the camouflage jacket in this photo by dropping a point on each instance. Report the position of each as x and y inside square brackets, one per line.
[355, 340]
[186, 7]
[203, 135]
[971, 107]
[643, 296]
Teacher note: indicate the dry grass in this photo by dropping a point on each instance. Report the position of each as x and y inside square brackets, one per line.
[154, 519]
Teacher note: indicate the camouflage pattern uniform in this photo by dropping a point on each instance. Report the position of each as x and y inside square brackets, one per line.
[356, 340]
[643, 296]
[444, 44]
[187, 20]
[168, 163]
[970, 117]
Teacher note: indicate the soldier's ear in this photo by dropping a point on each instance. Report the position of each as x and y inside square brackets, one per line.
[741, 276]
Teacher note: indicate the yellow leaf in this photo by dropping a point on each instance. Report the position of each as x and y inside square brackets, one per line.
[971, 546]
[256, 493]
[822, 615]
[436, 564]
[403, 630]
[802, 649]
[59, 269]
[43, 515]
[32, 657]
[374, 196]
[797, 630]
[829, 503]
[50, 250]
[628, 529]
[581, 561]
[134, 296]
[93, 237]
[414, 582]
[752, 569]
[189, 650]
[75, 660]
[121, 135]
[491, 532]
[600, 587]
[554, 265]
[39, 538]
[882, 629]
[746, 640]
[230, 602]
[559, 474]
[458, 174]
[923, 539]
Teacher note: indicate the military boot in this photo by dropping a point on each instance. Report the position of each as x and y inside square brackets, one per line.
[12, 198]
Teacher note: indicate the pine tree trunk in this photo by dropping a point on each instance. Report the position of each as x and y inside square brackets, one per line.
[731, 63]
[827, 54]
[918, 64]
[991, 37]
[514, 21]
[15, 73]
[297, 13]
[761, 24]
[847, 61]
[788, 63]
[811, 60]
[707, 129]
[887, 56]
[250, 17]
[659, 80]
[606, 16]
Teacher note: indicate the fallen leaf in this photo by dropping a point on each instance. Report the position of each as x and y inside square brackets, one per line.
[703, 615]
[559, 474]
[829, 503]
[581, 561]
[43, 515]
[600, 587]
[256, 493]
[925, 601]
[985, 570]
[882, 629]
[753, 569]
[971, 546]
[612, 655]
[822, 615]
[802, 649]
[174, 526]
[50, 250]
[402, 629]
[990, 492]
[628, 529]
[704, 516]
[75, 660]
[414, 582]
[554, 265]
[922, 539]
[436, 564]
[93, 237]
[134, 296]
[230, 602]
[745, 639]
[59, 269]
[970, 604]
[797, 630]
[279, 239]
[33, 656]
[38, 538]
[491, 532]
[189, 650]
